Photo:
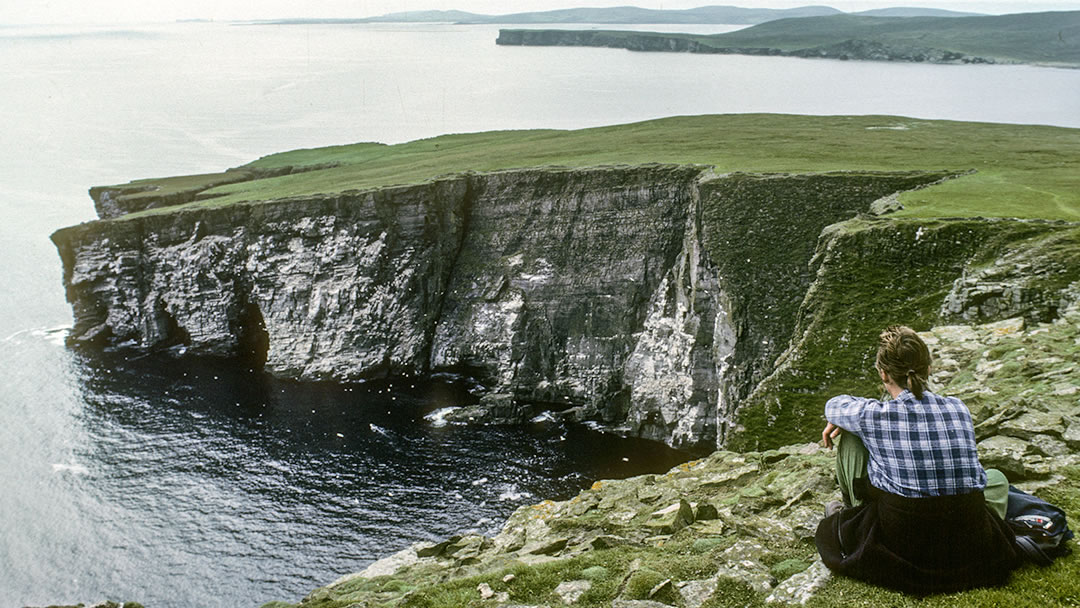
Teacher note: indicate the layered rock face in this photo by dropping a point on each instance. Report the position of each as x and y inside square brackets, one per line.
[654, 300]
[553, 281]
[534, 282]
[331, 288]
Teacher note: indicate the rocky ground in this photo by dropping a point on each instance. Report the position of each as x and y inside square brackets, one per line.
[736, 529]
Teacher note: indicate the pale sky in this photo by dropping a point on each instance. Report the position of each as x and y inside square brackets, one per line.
[129, 11]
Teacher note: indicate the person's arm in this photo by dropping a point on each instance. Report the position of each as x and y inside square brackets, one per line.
[830, 433]
[843, 413]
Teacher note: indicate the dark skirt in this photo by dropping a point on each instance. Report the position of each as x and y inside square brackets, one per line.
[939, 544]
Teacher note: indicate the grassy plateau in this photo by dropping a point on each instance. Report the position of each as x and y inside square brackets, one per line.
[1020, 171]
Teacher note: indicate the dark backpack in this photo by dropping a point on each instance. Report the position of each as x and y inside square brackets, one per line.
[1040, 527]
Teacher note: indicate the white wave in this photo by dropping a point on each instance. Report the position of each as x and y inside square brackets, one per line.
[12, 337]
[438, 417]
[544, 417]
[53, 335]
[512, 493]
[277, 465]
[480, 482]
[74, 469]
[378, 429]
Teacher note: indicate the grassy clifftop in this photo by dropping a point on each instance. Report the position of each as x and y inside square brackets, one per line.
[1020, 170]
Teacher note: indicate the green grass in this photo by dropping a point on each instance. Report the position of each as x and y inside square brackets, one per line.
[631, 572]
[1022, 171]
[879, 273]
[178, 185]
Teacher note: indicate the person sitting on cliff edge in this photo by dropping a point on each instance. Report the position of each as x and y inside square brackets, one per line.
[920, 515]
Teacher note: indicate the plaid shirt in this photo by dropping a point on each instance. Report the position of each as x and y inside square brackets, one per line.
[917, 447]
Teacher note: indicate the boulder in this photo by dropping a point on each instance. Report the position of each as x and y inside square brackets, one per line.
[1032, 423]
[1072, 435]
[571, 591]
[672, 518]
[551, 547]
[1007, 454]
[799, 588]
[695, 593]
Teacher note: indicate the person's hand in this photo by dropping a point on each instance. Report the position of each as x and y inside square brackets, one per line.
[829, 435]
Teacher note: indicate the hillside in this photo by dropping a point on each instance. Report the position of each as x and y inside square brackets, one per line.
[1051, 38]
[705, 14]
[914, 11]
[729, 15]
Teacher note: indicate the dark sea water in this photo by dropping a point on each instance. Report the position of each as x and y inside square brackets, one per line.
[199, 484]
[205, 484]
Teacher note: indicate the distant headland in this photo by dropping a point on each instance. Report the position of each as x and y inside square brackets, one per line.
[1048, 39]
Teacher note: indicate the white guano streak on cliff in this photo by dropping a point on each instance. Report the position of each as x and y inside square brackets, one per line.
[660, 371]
[723, 351]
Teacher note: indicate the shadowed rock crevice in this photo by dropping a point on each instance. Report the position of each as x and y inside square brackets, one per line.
[253, 341]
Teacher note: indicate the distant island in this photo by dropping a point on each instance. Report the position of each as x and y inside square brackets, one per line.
[729, 15]
[1050, 39]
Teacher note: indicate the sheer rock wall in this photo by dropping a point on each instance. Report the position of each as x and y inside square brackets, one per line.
[650, 299]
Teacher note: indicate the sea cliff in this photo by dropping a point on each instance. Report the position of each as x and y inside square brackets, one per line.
[655, 301]
[650, 300]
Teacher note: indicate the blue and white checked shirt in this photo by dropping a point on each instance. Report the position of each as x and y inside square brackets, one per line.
[917, 447]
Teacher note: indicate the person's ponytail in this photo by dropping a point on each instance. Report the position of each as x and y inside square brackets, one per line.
[915, 384]
[904, 356]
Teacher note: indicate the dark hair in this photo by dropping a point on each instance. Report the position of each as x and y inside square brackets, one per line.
[905, 358]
